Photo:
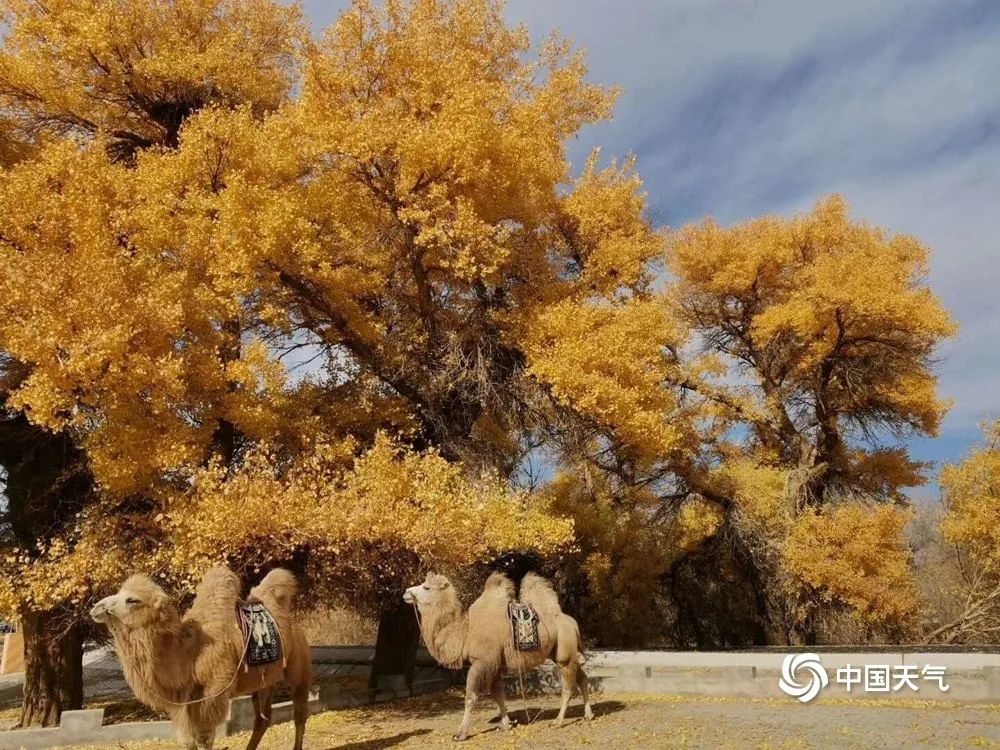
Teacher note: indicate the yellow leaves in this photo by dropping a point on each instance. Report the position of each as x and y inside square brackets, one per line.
[818, 310]
[605, 226]
[330, 506]
[697, 520]
[828, 283]
[610, 363]
[625, 546]
[432, 110]
[256, 397]
[122, 340]
[69, 568]
[135, 68]
[971, 492]
[760, 494]
[857, 556]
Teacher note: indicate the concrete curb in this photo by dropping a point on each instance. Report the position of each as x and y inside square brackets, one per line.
[970, 677]
[87, 727]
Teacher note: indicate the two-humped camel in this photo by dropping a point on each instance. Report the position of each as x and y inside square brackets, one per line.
[191, 667]
[482, 638]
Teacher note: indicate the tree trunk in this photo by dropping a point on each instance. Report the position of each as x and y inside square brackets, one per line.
[395, 646]
[53, 668]
[47, 484]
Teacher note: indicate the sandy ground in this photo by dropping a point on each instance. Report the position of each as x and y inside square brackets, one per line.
[632, 721]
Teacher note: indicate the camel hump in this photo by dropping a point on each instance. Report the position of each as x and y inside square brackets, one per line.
[216, 596]
[538, 592]
[499, 583]
[219, 581]
[278, 587]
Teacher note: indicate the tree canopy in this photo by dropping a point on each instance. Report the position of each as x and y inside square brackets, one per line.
[320, 303]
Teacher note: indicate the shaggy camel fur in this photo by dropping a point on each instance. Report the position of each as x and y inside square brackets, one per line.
[191, 667]
[482, 637]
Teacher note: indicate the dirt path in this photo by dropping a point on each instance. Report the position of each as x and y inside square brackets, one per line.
[631, 721]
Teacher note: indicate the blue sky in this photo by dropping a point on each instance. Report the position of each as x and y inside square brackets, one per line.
[736, 108]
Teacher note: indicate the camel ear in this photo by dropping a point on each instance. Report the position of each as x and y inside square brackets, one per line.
[159, 601]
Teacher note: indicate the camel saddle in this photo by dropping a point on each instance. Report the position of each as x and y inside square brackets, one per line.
[260, 634]
[524, 626]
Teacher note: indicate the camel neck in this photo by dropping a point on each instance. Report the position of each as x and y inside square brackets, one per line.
[445, 628]
[155, 664]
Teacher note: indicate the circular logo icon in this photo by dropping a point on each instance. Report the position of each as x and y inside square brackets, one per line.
[805, 667]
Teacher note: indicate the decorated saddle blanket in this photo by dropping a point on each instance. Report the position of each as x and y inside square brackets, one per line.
[260, 633]
[524, 626]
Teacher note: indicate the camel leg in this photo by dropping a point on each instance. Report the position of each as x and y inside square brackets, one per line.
[568, 678]
[500, 697]
[581, 680]
[261, 716]
[477, 673]
[300, 699]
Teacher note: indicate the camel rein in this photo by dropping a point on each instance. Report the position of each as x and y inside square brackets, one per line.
[241, 663]
[520, 682]
[520, 672]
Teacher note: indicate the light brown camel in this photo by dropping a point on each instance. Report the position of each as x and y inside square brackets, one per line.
[191, 667]
[482, 638]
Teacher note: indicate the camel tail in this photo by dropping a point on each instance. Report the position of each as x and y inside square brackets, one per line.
[278, 587]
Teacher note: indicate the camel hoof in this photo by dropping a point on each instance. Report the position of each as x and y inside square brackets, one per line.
[588, 715]
[557, 723]
[459, 738]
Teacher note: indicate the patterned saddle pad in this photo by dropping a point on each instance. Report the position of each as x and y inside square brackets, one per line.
[261, 630]
[523, 626]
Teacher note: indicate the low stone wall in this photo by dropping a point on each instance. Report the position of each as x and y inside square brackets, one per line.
[970, 677]
[87, 727]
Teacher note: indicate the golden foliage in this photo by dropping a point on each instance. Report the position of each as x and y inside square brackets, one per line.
[388, 496]
[197, 189]
[122, 333]
[625, 548]
[97, 551]
[373, 518]
[761, 496]
[134, 69]
[819, 304]
[610, 363]
[971, 492]
[856, 556]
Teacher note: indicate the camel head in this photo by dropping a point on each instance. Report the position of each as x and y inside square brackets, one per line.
[139, 603]
[436, 589]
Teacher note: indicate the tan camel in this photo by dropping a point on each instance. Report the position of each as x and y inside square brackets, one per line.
[191, 667]
[482, 638]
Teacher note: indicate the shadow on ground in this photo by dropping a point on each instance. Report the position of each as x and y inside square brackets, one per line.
[424, 707]
[533, 715]
[381, 742]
